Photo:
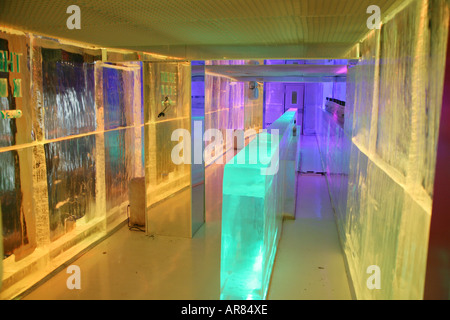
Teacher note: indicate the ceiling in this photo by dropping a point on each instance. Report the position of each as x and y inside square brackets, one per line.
[280, 73]
[202, 29]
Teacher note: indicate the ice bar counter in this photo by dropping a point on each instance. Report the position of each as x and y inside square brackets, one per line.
[252, 210]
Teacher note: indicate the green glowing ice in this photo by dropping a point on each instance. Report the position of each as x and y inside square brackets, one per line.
[252, 209]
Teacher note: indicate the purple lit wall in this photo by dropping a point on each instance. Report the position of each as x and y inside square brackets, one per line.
[314, 96]
[274, 102]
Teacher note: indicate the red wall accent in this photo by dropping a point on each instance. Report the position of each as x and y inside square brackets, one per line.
[437, 280]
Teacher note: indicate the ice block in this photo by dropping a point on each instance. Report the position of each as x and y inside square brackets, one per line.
[168, 185]
[252, 209]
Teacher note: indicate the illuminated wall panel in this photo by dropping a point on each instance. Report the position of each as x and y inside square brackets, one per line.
[68, 159]
[389, 139]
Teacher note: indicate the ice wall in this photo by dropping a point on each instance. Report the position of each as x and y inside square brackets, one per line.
[389, 140]
[68, 159]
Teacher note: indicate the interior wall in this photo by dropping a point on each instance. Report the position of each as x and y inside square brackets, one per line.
[388, 142]
[68, 160]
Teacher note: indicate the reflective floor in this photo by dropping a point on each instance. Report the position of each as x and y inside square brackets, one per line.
[309, 155]
[131, 265]
[310, 263]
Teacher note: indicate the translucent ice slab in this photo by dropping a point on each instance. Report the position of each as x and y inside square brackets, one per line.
[252, 209]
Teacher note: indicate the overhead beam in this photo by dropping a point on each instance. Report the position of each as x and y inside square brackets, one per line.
[238, 52]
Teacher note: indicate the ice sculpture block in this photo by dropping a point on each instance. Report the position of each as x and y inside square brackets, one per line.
[252, 209]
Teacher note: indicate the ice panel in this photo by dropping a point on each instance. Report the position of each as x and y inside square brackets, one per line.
[18, 219]
[253, 107]
[71, 178]
[334, 147]
[433, 81]
[163, 177]
[290, 186]
[274, 104]
[351, 100]
[68, 93]
[398, 46]
[376, 239]
[364, 86]
[14, 94]
[119, 155]
[118, 97]
[409, 278]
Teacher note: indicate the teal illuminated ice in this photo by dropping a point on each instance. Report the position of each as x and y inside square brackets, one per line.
[252, 210]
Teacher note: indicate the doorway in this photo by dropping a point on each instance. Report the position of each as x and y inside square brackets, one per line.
[294, 98]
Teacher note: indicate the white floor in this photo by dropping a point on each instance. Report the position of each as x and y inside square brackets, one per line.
[309, 263]
[131, 265]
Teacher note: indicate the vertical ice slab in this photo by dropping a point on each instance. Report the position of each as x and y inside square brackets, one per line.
[167, 110]
[252, 209]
